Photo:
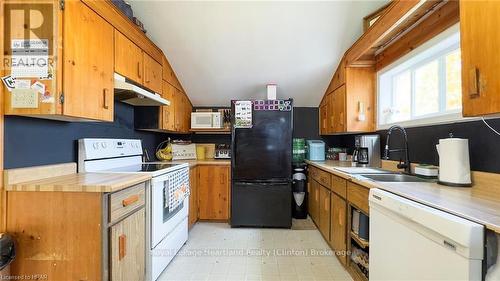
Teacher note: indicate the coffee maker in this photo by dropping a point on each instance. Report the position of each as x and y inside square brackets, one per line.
[367, 151]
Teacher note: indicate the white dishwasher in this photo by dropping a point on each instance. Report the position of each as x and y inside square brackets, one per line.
[411, 241]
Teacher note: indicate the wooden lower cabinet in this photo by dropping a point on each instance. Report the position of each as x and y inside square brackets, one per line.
[128, 248]
[338, 222]
[357, 195]
[75, 236]
[324, 212]
[314, 200]
[330, 207]
[193, 196]
[213, 192]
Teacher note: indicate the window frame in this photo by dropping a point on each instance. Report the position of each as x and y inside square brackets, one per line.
[405, 63]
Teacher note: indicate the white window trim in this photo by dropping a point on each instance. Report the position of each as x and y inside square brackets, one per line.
[431, 119]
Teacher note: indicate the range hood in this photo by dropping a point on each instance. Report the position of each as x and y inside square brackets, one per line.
[132, 94]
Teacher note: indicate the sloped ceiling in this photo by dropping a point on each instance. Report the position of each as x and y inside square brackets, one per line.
[231, 50]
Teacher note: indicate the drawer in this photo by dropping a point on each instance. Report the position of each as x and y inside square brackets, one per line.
[123, 202]
[324, 178]
[357, 195]
[339, 186]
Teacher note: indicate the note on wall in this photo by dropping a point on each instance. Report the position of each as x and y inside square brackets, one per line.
[30, 58]
[243, 114]
[24, 98]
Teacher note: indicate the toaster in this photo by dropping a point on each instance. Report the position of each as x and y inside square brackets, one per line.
[183, 151]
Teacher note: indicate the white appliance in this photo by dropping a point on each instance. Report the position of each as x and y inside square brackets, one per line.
[132, 94]
[167, 194]
[454, 164]
[206, 120]
[411, 241]
[182, 151]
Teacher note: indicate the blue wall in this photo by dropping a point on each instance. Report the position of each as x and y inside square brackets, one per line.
[32, 141]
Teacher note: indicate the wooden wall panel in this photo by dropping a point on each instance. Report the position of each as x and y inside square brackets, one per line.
[116, 18]
[443, 18]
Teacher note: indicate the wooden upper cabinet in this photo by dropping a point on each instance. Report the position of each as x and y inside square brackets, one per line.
[323, 116]
[479, 25]
[359, 99]
[152, 74]
[180, 107]
[213, 192]
[187, 114]
[168, 73]
[168, 111]
[351, 106]
[128, 58]
[88, 64]
[339, 108]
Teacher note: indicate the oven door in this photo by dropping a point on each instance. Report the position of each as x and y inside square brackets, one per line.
[164, 220]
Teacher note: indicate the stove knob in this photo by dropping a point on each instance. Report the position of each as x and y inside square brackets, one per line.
[103, 145]
[95, 145]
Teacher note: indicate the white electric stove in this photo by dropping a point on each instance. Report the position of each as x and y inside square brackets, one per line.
[167, 200]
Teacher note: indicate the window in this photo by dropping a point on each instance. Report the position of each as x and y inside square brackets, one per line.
[424, 86]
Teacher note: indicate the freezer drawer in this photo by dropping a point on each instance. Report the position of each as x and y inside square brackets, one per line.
[261, 204]
[411, 241]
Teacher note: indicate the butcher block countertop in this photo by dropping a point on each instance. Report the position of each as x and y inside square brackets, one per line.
[480, 203]
[63, 177]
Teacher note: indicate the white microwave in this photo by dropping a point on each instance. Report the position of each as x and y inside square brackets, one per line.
[206, 120]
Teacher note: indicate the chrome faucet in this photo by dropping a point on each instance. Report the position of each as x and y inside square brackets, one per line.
[406, 165]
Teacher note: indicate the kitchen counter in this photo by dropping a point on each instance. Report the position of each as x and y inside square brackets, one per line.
[468, 203]
[64, 177]
[81, 182]
[215, 162]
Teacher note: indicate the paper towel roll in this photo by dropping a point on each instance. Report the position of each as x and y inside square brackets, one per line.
[454, 165]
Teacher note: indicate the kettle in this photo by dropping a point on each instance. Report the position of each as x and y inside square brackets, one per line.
[454, 163]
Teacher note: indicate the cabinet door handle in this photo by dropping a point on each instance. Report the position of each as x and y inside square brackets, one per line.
[341, 121]
[105, 104]
[122, 246]
[130, 200]
[474, 82]
[221, 179]
[139, 70]
[326, 204]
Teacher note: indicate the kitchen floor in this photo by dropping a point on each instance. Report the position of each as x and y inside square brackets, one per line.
[215, 251]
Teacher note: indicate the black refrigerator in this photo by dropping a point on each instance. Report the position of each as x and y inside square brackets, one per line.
[261, 192]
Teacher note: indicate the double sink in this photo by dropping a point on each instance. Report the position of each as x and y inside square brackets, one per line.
[380, 175]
